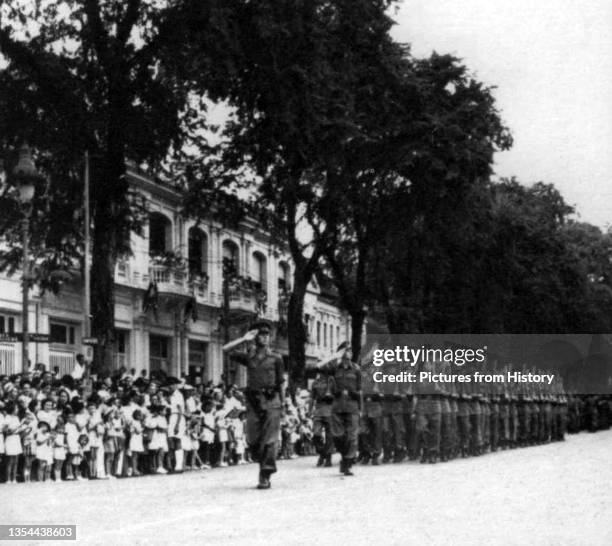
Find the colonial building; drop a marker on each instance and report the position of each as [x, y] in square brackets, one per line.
[173, 309]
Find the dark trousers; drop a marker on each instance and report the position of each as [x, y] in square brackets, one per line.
[429, 425]
[372, 436]
[393, 434]
[322, 435]
[345, 430]
[262, 433]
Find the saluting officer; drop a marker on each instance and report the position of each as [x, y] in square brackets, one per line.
[265, 395]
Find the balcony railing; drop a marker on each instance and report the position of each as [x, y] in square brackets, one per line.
[169, 280]
[8, 358]
[64, 360]
[241, 298]
[120, 360]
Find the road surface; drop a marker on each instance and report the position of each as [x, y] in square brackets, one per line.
[555, 494]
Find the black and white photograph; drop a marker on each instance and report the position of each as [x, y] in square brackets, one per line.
[306, 272]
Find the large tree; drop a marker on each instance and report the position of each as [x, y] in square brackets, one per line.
[96, 75]
[296, 76]
[435, 135]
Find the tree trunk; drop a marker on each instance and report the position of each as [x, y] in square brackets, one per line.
[358, 316]
[103, 288]
[296, 331]
[110, 230]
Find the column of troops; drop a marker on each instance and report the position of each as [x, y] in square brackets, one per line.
[442, 421]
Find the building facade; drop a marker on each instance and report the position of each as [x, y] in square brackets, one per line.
[174, 304]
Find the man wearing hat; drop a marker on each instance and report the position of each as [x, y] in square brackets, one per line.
[264, 397]
[345, 408]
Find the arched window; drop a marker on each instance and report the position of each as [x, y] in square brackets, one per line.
[258, 271]
[284, 277]
[230, 253]
[160, 234]
[198, 251]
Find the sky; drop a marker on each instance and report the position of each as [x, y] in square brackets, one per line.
[551, 61]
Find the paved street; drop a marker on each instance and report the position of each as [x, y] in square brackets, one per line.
[553, 494]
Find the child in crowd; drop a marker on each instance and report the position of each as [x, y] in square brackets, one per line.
[28, 442]
[159, 438]
[110, 444]
[72, 444]
[44, 450]
[221, 425]
[207, 434]
[192, 441]
[239, 439]
[59, 448]
[12, 440]
[95, 431]
[136, 440]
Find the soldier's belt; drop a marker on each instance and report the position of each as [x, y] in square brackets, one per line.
[266, 392]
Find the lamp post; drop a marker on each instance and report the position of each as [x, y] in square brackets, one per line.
[25, 173]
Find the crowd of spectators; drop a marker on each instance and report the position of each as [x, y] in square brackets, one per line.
[56, 428]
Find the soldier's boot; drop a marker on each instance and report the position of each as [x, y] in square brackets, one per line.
[328, 461]
[398, 456]
[365, 459]
[375, 460]
[342, 465]
[321, 461]
[264, 480]
[433, 457]
[347, 468]
[425, 456]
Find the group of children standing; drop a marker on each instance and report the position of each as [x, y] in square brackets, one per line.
[48, 432]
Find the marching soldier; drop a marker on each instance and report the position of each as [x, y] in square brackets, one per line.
[409, 404]
[265, 395]
[322, 398]
[345, 408]
[463, 419]
[446, 440]
[372, 417]
[475, 420]
[429, 416]
[393, 420]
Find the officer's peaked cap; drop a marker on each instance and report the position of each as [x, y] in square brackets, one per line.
[262, 326]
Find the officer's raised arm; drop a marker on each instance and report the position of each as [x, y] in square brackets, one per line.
[240, 357]
[326, 361]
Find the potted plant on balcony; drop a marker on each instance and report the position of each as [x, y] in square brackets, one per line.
[198, 279]
[167, 259]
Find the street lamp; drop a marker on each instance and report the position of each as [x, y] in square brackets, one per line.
[25, 174]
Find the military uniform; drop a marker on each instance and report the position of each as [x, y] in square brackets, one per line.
[322, 395]
[265, 376]
[345, 411]
[372, 420]
[429, 418]
[394, 431]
